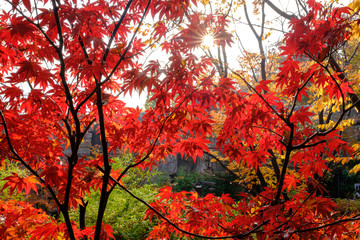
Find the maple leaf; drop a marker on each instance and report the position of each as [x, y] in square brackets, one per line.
[302, 115]
[19, 219]
[12, 92]
[27, 4]
[33, 72]
[165, 193]
[290, 182]
[15, 182]
[263, 86]
[53, 175]
[49, 230]
[226, 83]
[192, 147]
[160, 29]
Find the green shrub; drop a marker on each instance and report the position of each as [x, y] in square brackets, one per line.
[185, 180]
[124, 213]
[162, 179]
[40, 199]
[348, 205]
[217, 184]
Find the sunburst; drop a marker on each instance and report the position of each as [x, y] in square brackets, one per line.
[208, 41]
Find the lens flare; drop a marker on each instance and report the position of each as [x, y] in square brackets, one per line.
[208, 41]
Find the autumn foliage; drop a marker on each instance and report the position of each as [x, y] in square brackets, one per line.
[65, 62]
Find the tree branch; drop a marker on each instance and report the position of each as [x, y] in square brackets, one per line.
[278, 11]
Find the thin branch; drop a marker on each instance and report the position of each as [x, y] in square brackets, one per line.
[261, 96]
[289, 149]
[309, 145]
[108, 77]
[278, 11]
[116, 28]
[249, 22]
[89, 61]
[297, 94]
[260, 177]
[33, 23]
[302, 5]
[222, 164]
[268, 129]
[27, 166]
[344, 110]
[323, 133]
[355, 218]
[354, 53]
[225, 74]
[59, 50]
[257, 25]
[275, 164]
[354, 98]
[247, 58]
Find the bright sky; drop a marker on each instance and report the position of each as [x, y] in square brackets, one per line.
[136, 100]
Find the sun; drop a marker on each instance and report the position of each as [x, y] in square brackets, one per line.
[208, 41]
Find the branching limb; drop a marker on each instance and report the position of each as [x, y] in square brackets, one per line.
[297, 94]
[33, 23]
[122, 57]
[259, 38]
[261, 96]
[289, 149]
[278, 11]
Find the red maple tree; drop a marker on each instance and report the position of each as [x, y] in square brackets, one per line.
[63, 64]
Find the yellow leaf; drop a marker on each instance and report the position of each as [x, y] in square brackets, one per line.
[117, 49]
[355, 169]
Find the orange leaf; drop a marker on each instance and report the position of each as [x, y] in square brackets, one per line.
[15, 182]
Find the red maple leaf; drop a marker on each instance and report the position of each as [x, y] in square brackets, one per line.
[15, 182]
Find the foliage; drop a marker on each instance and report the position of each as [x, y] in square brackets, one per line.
[216, 183]
[63, 64]
[340, 182]
[123, 213]
[7, 170]
[19, 220]
[348, 205]
[185, 180]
